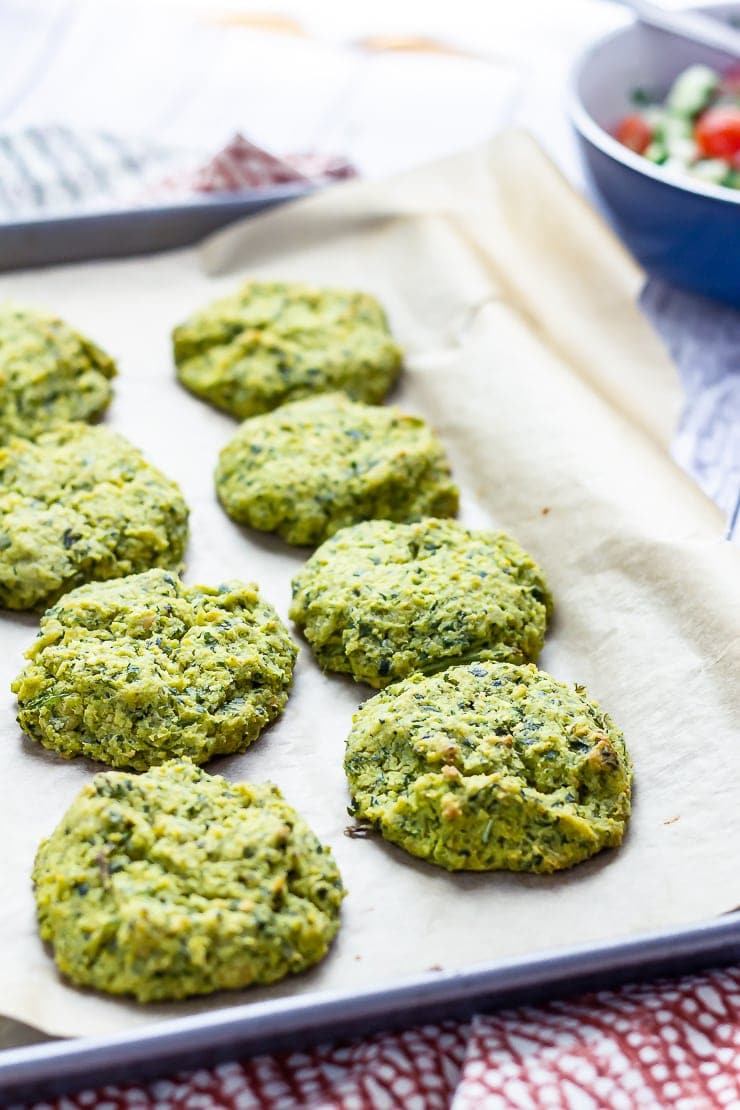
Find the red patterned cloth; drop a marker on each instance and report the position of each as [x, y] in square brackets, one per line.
[651, 1046]
[113, 171]
[648, 1047]
[242, 165]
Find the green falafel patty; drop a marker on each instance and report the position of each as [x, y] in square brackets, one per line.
[177, 883]
[382, 600]
[49, 373]
[140, 669]
[490, 767]
[316, 466]
[272, 342]
[82, 504]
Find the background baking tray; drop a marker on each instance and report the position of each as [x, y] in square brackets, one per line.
[70, 238]
[288, 1024]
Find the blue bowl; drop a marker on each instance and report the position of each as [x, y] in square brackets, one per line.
[679, 228]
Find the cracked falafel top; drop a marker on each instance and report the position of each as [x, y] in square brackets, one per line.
[82, 504]
[490, 767]
[49, 373]
[140, 669]
[382, 600]
[315, 466]
[273, 342]
[176, 883]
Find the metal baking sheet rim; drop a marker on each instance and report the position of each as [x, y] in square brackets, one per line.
[287, 1024]
[46, 240]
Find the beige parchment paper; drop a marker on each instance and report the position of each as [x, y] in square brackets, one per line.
[525, 349]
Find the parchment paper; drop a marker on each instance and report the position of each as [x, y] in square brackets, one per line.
[525, 349]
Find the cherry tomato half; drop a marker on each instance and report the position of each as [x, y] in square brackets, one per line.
[717, 132]
[635, 133]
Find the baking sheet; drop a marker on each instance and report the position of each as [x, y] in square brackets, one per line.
[70, 238]
[525, 349]
[290, 1024]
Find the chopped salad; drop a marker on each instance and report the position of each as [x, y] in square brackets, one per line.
[696, 129]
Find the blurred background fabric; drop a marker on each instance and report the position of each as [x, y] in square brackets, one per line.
[109, 89]
[117, 103]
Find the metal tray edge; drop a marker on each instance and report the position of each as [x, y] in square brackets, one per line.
[72, 237]
[289, 1024]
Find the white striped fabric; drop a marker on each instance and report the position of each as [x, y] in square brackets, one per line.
[54, 170]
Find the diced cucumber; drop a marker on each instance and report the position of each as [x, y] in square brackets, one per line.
[676, 134]
[682, 150]
[678, 167]
[715, 171]
[692, 90]
[669, 128]
[655, 152]
[653, 116]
